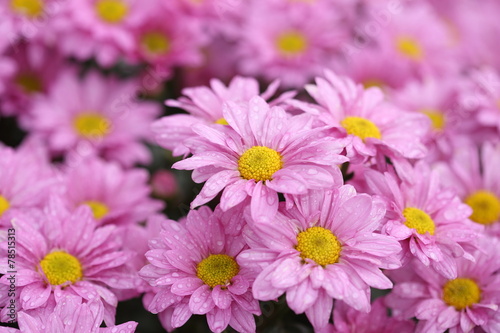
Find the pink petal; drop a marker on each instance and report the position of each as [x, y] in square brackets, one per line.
[186, 286]
[218, 319]
[181, 315]
[201, 301]
[320, 311]
[222, 298]
[264, 203]
[35, 295]
[301, 296]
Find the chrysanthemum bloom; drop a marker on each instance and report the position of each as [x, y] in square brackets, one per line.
[324, 248]
[430, 222]
[469, 301]
[204, 106]
[194, 265]
[262, 152]
[26, 179]
[115, 195]
[473, 174]
[61, 253]
[71, 315]
[348, 320]
[277, 42]
[95, 115]
[101, 28]
[364, 116]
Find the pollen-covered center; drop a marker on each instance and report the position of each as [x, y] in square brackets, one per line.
[485, 207]
[320, 245]
[409, 47]
[437, 118]
[291, 43]
[155, 43]
[217, 269]
[361, 127]
[259, 163]
[419, 220]
[60, 267]
[30, 8]
[29, 83]
[91, 125]
[221, 121]
[111, 11]
[98, 208]
[4, 205]
[461, 293]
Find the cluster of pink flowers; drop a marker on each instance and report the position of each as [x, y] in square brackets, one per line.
[359, 187]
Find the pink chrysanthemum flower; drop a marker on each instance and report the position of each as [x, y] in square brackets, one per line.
[364, 116]
[194, 265]
[473, 174]
[71, 315]
[324, 248]
[204, 106]
[260, 153]
[469, 302]
[115, 195]
[277, 42]
[96, 115]
[348, 320]
[60, 253]
[430, 222]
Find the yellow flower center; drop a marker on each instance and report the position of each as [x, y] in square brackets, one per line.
[320, 245]
[370, 83]
[419, 220]
[485, 207]
[155, 43]
[91, 125]
[60, 267]
[30, 83]
[259, 163]
[4, 205]
[291, 43]
[111, 11]
[30, 8]
[361, 127]
[410, 48]
[437, 118]
[221, 121]
[217, 269]
[98, 208]
[461, 293]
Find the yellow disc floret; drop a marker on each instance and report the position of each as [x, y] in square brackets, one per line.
[291, 43]
[221, 121]
[419, 220]
[29, 83]
[320, 245]
[217, 269]
[30, 8]
[361, 127]
[259, 163]
[91, 125]
[485, 207]
[4, 205]
[437, 118]
[461, 293]
[155, 43]
[111, 11]
[60, 267]
[98, 208]
[410, 48]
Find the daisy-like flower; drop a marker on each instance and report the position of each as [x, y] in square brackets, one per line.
[60, 253]
[204, 106]
[115, 195]
[94, 116]
[323, 248]
[462, 304]
[430, 222]
[262, 152]
[71, 315]
[364, 116]
[276, 41]
[348, 320]
[194, 267]
[472, 174]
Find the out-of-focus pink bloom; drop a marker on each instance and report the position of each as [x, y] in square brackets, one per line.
[323, 248]
[261, 152]
[164, 184]
[95, 115]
